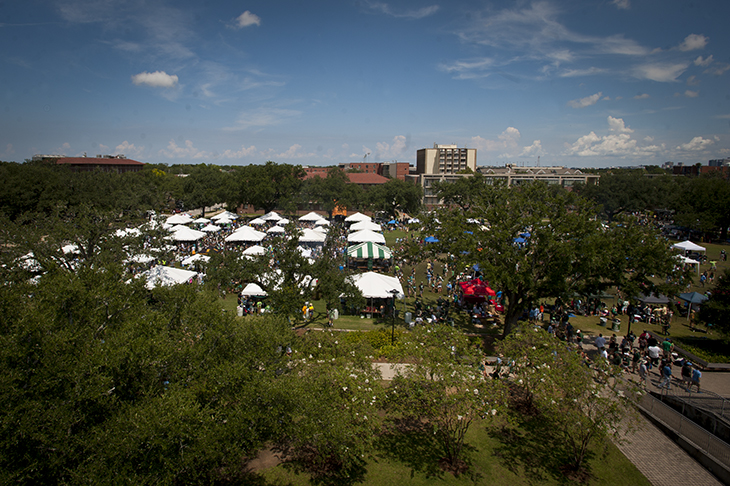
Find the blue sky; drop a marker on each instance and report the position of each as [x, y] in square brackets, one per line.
[578, 83]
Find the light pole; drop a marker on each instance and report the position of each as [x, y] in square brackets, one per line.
[393, 292]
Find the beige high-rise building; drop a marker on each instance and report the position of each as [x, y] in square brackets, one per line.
[445, 159]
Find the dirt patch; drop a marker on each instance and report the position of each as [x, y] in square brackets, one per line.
[266, 459]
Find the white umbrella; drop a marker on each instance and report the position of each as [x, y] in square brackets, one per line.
[365, 235]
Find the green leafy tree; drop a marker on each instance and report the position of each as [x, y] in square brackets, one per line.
[618, 193]
[204, 186]
[702, 202]
[268, 187]
[442, 389]
[396, 195]
[716, 310]
[576, 404]
[461, 192]
[332, 191]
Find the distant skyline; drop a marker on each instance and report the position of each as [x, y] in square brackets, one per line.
[577, 83]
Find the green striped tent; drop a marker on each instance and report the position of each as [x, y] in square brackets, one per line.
[369, 250]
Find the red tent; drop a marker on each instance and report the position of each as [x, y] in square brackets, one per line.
[476, 290]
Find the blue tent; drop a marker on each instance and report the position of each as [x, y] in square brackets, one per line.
[519, 240]
[431, 239]
[392, 221]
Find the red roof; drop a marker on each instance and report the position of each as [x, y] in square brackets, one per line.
[364, 178]
[96, 161]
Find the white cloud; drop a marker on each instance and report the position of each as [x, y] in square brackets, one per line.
[393, 150]
[592, 71]
[617, 144]
[703, 62]
[661, 72]
[693, 81]
[587, 101]
[409, 14]
[718, 69]
[239, 154]
[293, 153]
[129, 149]
[621, 4]
[642, 96]
[247, 19]
[693, 42]
[696, 144]
[507, 140]
[263, 117]
[532, 150]
[158, 79]
[469, 69]
[9, 150]
[187, 152]
[691, 94]
[617, 125]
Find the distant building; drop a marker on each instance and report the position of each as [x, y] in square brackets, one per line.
[426, 181]
[445, 159]
[106, 163]
[552, 175]
[366, 180]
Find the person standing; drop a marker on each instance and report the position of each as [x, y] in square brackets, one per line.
[696, 375]
[666, 376]
[643, 373]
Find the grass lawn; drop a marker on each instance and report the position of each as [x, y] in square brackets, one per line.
[495, 460]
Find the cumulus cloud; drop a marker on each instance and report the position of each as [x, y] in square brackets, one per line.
[718, 69]
[587, 101]
[693, 81]
[263, 117]
[641, 96]
[408, 14]
[661, 72]
[239, 154]
[696, 144]
[389, 151]
[247, 19]
[621, 4]
[532, 150]
[691, 94]
[174, 151]
[617, 144]
[704, 62]
[129, 149]
[158, 79]
[294, 152]
[693, 42]
[508, 140]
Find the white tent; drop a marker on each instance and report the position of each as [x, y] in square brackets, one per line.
[688, 246]
[276, 229]
[321, 222]
[194, 258]
[179, 219]
[165, 276]
[255, 250]
[224, 220]
[377, 286]
[271, 216]
[211, 228]
[246, 233]
[202, 221]
[282, 222]
[257, 222]
[365, 235]
[354, 218]
[366, 225]
[688, 261]
[225, 214]
[310, 217]
[121, 233]
[253, 290]
[183, 233]
[311, 236]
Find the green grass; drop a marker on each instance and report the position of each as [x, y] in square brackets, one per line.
[495, 460]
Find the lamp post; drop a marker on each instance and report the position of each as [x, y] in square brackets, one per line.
[393, 292]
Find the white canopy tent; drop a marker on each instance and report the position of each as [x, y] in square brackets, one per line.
[365, 235]
[271, 216]
[255, 250]
[276, 229]
[321, 222]
[194, 258]
[224, 220]
[354, 218]
[179, 219]
[688, 261]
[366, 225]
[310, 217]
[161, 275]
[183, 233]
[282, 222]
[311, 236]
[688, 246]
[202, 221]
[257, 222]
[253, 290]
[246, 233]
[377, 286]
[225, 214]
[211, 228]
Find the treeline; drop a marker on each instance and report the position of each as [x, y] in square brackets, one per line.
[38, 187]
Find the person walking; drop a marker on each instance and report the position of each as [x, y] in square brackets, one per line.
[696, 376]
[666, 376]
[643, 373]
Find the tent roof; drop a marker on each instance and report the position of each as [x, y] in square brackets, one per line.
[653, 299]
[276, 229]
[312, 216]
[202, 221]
[354, 218]
[311, 236]
[321, 222]
[255, 250]
[257, 221]
[688, 245]
[365, 235]
[253, 290]
[194, 258]
[271, 216]
[211, 228]
[693, 297]
[226, 215]
[179, 219]
[376, 285]
[183, 233]
[369, 249]
[246, 233]
[366, 225]
[161, 275]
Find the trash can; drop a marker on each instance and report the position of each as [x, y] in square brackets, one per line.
[409, 317]
[335, 314]
[239, 311]
[616, 325]
[602, 321]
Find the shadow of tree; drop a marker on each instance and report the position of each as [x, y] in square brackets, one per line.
[412, 443]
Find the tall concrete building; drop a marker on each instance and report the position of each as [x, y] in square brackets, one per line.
[445, 159]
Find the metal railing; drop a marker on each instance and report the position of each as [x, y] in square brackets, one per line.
[707, 400]
[686, 428]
